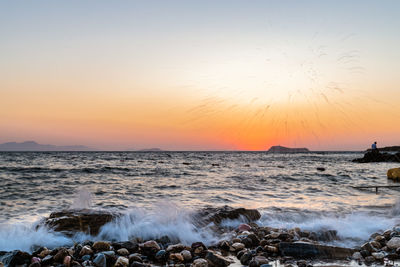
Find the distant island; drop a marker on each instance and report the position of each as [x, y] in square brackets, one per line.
[33, 146]
[282, 149]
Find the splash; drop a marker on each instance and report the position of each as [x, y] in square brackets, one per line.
[83, 199]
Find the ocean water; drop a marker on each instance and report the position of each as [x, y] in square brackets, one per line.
[159, 191]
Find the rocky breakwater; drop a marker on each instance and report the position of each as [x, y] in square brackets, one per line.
[378, 157]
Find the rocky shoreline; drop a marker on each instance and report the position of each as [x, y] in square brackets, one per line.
[250, 244]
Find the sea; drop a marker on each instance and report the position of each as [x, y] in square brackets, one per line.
[158, 192]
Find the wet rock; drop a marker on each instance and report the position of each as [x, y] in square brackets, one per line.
[200, 263]
[376, 245]
[271, 249]
[254, 239]
[244, 227]
[175, 248]
[121, 262]
[123, 252]
[321, 169]
[86, 258]
[48, 260]
[378, 157]
[261, 259]
[393, 243]
[357, 256]
[101, 246]
[378, 255]
[72, 221]
[254, 263]
[35, 259]
[176, 257]
[216, 260]
[61, 254]
[307, 250]
[161, 255]
[246, 258]
[187, 256]
[365, 253]
[151, 244]
[224, 245]
[33, 264]
[100, 260]
[44, 252]
[238, 246]
[138, 264]
[131, 246]
[267, 265]
[217, 215]
[199, 249]
[67, 261]
[369, 259]
[15, 257]
[369, 247]
[86, 250]
[137, 257]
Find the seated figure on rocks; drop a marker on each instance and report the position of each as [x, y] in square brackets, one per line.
[374, 148]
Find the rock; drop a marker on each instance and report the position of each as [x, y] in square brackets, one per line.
[67, 261]
[131, 246]
[266, 265]
[369, 247]
[33, 264]
[151, 244]
[48, 260]
[217, 215]
[121, 262]
[15, 257]
[244, 227]
[44, 253]
[101, 246]
[176, 257]
[199, 249]
[216, 260]
[365, 253]
[261, 259]
[187, 256]
[246, 258]
[238, 246]
[175, 248]
[86, 250]
[393, 174]
[136, 257]
[378, 255]
[200, 263]
[376, 245]
[86, 258]
[393, 243]
[72, 221]
[369, 259]
[271, 249]
[254, 239]
[100, 260]
[357, 256]
[254, 263]
[161, 255]
[138, 264]
[61, 254]
[378, 157]
[321, 169]
[123, 252]
[307, 250]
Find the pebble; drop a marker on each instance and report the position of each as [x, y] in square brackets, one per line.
[393, 243]
[217, 260]
[176, 257]
[200, 263]
[187, 256]
[61, 254]
[175, 248]
[86, 250]
[238, 246]
[44, 253]
[151, 244]
[100, 260]
[34, 264]
[378, 255]
[357, 256]
[101, 246]
[67, 261]
[123, 252]
[121, 262]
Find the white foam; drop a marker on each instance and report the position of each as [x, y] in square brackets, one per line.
[166, 219]
[23, 236]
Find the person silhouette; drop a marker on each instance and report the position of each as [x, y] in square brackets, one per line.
[374, 148]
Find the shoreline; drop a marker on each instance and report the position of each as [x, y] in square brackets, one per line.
[248, 244]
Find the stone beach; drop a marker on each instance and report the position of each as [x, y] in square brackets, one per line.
[249, 244]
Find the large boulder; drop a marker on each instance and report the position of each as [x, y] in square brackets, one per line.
[217, 215]
[301, 250]
[378, 157]
[72, 221]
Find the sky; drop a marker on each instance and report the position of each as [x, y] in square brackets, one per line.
[200, 75]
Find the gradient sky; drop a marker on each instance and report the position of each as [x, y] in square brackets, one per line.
[200, 75]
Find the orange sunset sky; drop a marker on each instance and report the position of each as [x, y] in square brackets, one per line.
[200, 75]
